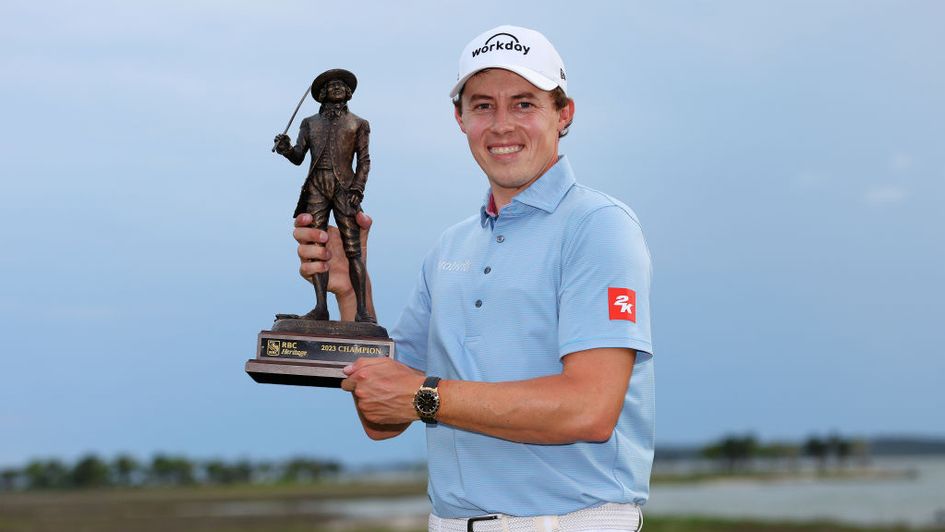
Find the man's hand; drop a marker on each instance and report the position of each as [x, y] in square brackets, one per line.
[322, 251]
[383, 390]
[283, 143]
[355, 197]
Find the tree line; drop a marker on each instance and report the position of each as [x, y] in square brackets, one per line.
[91, 471]
[740, 452]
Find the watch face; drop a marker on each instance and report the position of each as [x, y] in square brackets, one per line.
[427, 402]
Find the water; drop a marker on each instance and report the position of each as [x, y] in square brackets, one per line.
[917, 499]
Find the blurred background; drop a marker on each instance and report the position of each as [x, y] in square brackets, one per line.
[786, 159]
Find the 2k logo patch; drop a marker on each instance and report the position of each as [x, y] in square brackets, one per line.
[622, 303]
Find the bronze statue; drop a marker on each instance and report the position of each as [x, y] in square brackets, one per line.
[334, 137]
[312, 350]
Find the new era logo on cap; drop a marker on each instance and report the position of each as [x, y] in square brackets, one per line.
[622, 304]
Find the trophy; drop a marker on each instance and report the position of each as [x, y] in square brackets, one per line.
[311, 349]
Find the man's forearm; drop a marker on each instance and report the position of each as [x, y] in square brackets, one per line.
[581, 404]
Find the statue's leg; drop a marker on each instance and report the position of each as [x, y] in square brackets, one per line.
[357, 272]
[319, 208]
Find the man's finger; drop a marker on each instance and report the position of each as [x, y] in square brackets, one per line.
[308, 269]
[305, 235]
[364, 221]
[348, 385]
[362, 363]
[314, 252]
[304, 220]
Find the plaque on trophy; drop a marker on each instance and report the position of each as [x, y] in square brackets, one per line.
[312, 349]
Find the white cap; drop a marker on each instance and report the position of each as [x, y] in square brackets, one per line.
[521, 50]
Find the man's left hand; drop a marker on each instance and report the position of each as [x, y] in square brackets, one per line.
[383, 389]
[355, 197]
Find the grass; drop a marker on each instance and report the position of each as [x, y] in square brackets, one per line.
[233, 508]
[276, 508]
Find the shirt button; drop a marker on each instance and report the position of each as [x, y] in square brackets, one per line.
[478, 303]
[500, 239]
[487, 270]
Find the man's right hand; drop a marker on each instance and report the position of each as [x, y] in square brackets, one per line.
[322, 251]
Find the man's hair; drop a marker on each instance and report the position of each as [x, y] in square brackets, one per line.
[323, 93]
[558, 97]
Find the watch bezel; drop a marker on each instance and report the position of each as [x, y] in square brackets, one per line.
[427, 400]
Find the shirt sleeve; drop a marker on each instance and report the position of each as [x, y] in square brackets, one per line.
[297, 153]
[412, 330]
[604, 295]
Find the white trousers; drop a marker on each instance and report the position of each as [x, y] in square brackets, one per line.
[610, 517]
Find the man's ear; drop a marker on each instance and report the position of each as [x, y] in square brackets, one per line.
[459, 119]
[566, 115]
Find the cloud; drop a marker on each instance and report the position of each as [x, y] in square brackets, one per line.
[885, 194]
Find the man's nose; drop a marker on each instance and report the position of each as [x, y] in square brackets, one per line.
[502, 121]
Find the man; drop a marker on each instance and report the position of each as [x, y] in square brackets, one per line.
[518, 343]
[334, 137]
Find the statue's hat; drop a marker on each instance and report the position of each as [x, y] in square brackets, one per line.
[328, 75]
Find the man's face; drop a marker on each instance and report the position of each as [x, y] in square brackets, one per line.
[336, 91]
[512, 129]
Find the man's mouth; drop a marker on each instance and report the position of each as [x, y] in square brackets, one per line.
[505, 150]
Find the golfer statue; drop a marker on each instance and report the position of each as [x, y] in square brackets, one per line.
[335, 137]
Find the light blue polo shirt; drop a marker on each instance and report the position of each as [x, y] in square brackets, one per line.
[562, 268]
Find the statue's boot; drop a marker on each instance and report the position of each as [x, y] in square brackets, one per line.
[320, 312]
[358, 274]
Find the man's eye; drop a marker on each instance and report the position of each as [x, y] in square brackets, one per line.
[524, 105]
[481, 106]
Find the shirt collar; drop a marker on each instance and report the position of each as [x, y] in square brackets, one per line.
[545, 193]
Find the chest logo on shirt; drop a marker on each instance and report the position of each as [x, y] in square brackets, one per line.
[454, 265]
[622, 303]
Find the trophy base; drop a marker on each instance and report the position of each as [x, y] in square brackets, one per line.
[302, 352]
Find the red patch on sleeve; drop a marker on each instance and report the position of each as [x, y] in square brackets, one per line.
[622, 303]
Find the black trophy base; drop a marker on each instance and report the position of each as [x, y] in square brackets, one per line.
[302, 352]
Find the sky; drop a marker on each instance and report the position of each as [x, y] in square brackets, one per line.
[786, 160]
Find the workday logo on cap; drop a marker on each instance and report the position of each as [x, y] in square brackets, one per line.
[496, 43]
[526, 52]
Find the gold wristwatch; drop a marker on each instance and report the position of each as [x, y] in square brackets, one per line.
[427, 400]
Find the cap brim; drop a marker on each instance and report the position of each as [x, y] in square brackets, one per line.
[536, 79]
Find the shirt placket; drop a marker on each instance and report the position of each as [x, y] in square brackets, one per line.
[482, 297]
